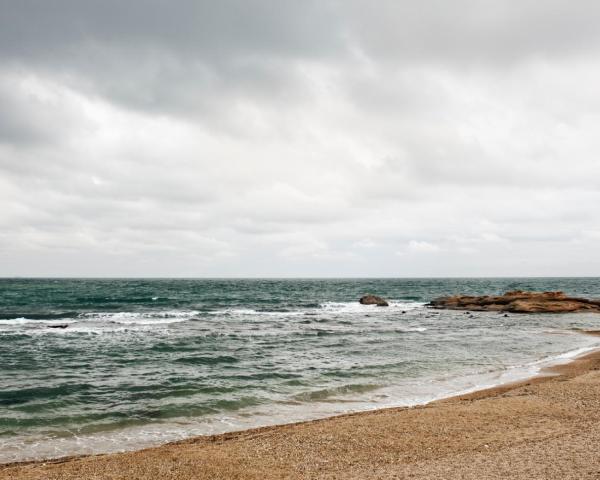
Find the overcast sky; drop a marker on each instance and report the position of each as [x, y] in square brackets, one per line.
[299, 138]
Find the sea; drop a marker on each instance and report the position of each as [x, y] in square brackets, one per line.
[107, 365]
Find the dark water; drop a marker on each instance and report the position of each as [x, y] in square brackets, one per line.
[105, 365]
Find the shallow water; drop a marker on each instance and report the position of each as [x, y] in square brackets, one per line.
[140, 362]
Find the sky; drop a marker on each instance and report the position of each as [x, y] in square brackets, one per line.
[285, 138]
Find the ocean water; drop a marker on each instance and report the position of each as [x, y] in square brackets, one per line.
[89, 366]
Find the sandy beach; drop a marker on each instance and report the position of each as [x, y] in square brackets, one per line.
[543, 428]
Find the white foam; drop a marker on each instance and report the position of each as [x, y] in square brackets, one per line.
[96, 322]
[149, 321]
[356, 307]
[416, 329]
[564, 357]
[252, 312]
[141, 318]
[324, 308]
[115, 316]
[31, 321]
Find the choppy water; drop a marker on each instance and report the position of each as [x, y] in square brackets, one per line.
[141, 362]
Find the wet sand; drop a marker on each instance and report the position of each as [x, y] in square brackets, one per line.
[547, 427]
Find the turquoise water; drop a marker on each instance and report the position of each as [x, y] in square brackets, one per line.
[106, 365]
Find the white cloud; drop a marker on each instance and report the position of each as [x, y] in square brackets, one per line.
[422, 246]
[312, 140]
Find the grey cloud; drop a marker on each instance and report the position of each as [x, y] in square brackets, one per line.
[15, 125]
[473, 30]
[176, 58]
[183, 57]
[212, 29]
[24, 120]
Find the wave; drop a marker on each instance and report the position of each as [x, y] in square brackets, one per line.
[563, 357]
[328, 394]
[26, 321]
[37, 316]
[74, 329]
[95, 322]
[142, 318]
[159, 317]
[207, 360]
[326, 307]
[355, 307]
[253, 312]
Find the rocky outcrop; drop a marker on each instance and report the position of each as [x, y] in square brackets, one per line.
[373, 300]
[518, 301]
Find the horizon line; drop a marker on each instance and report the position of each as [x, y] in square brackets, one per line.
[284, 277]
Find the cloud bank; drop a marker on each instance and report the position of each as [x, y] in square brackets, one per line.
[291, 138]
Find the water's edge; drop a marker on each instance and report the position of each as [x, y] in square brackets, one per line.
[540, 369]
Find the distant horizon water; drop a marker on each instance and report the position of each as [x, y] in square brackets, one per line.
[91, 365]
[292, 277]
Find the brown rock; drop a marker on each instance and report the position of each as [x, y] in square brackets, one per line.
[518, 301]
[373, 300]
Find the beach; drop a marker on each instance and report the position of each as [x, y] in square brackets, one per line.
[257, 239]
[290, 379]
[545, 427]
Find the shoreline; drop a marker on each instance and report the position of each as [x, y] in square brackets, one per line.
[580, 365]
[541, 368]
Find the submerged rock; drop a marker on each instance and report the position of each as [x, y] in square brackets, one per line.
[373, 300]
[518, 301]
